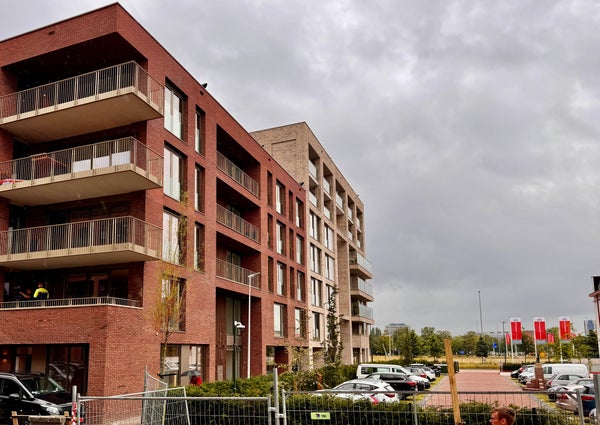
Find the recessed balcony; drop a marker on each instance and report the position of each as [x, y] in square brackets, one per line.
[361, 312]
[103, 169]
[108, 98]
[360, 288]
[237, 174]
[85, 243]
[237, 223]
[360, 266]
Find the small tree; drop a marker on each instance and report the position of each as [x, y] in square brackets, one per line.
[332, 345]
[482, 349]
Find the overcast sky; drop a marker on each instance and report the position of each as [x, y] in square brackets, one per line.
[470, 129]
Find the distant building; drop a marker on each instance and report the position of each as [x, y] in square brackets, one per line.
[393, 327]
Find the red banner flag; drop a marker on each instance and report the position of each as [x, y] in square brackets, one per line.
[550, 338]
[507, 338]
[515, 330]
[564, 329]
[539, 330]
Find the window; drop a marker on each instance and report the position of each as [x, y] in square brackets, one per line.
[300, 287]
[331, 294]
[269, 189]
[329, 238]
[300, 323]
[314, 226]
[173, 238]
[199, 247]
[280, 238]
[279, 320]
[315, 259]
[173, 111]
[280, 198]
[316, 330]
[329, 267]
[198, 136]
[270, 231]
[299, 213]
[316, 292]
[280, 279]
[172, 304]
[199, 189]
[299, 249]
[270, 275]
[173, 174]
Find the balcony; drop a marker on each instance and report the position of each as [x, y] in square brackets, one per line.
[361, 311]
[361, 288]
[360, 265]
[85, 243]
[102, 169]
[237, 274]
[237, 223]
[237, 174]
[108, 98]
[69, 302]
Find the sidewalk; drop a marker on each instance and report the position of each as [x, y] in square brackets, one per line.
[479, 380]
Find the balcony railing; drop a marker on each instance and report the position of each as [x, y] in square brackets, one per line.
[90, 159]
[40, 99]
[235, 273]
[312, 169]
[109, 235]
[362, 310]
[237, 223]
[237, 174]
[339, 201]
[69, 302]
[362, 285]
[357, 258]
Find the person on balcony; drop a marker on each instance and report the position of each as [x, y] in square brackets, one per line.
[41, 293]
[24, 296]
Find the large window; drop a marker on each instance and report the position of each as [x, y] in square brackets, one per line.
[280, 279]
[199, 247]
[279, 320]
[173, 238]
[329, 238]
[300, 287]
[316, 292]
[299, 249]
[280, 198]
[173, 111]
[199, 189]
[315, 259]
[329, 267]
[173, 173]
[280, 238]
[300, 323]
[172, 309]
[199, 136]
[314, 225]
[316, 328]
[299, 213]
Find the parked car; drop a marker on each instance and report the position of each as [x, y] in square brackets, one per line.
[375, 391]
[515, 373]
[31, 393]
[560, 380]
[421, 372]
[527, 375]
[593, 416]
[567, 399]
[398, 381]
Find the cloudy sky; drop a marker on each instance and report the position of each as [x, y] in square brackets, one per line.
[470, 130]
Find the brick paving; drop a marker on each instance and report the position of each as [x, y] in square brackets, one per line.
[485, 386]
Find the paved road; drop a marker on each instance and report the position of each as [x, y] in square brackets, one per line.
[486, 386]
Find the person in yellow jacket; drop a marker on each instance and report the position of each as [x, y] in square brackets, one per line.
[41, 293]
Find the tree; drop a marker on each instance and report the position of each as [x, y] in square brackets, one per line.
[482, 348]
[527, 345]
[408, 343]
[376, 341]
[332, 344]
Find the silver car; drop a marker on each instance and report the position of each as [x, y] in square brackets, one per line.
[373, 390]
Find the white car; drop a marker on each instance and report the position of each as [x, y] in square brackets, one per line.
[374, 390]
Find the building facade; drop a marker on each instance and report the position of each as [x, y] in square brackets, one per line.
[150, 215]
[336, 241]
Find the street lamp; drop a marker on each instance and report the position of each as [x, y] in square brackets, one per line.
[237, 326]
[250, 277]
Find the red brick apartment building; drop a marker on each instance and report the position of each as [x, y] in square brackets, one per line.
[124, 180]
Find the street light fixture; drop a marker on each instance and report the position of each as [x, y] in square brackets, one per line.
[250, 277]
[237, 326]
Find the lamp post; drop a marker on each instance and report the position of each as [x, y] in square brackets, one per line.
[505, 344]
[237, 326]
[250, 277]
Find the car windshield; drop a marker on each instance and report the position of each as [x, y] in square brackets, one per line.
[39, 385]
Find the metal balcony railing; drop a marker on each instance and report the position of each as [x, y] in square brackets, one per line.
[237, 223]
[97, 85]
[111, 153]
[362, 310]
[70, 302]
[237, 174]
[362, 285]
[235, 273]
[81, 237]
[357, 258]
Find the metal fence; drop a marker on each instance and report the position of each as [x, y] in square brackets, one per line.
[173, 407]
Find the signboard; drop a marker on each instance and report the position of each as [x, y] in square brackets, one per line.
[320, 416]
[539, 330]
[516, 332]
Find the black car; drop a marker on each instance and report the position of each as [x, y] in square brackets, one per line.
[31, 393]
[398, 381]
